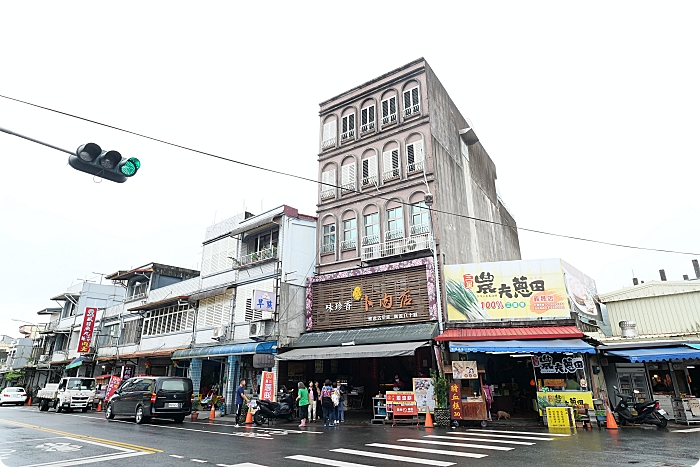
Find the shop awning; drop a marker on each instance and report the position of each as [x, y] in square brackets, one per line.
[524, 346]
[361, 336]
[694, 346]
[657, 354]
[529, 332]
[225, 350]
[77, 362]
[395, 349]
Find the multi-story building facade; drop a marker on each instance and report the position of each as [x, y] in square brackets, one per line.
[404, 185]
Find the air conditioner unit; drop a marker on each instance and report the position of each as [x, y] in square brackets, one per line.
[264, 316]
[257, 329]
[220, 332]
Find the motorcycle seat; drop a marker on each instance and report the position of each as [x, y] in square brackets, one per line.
[642, 405]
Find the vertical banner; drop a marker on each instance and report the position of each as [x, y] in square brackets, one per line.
[127, 372]
[113, 385]
[86, 333]
[455, 400]
[425, 394]
[267, 386]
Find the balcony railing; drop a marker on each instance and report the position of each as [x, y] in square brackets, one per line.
[135, 296]
[420, 229]
[327, 193]
[328, 143]
[394, 234]
[256, 257]
[372, 180]
[415, 167]
[367, 127]
[399, 246]
[348, 135]
[411, 111]
[348, 244]
[390, 174]
[348, 188]
[327, 248]
[370, 239]
[389, 119]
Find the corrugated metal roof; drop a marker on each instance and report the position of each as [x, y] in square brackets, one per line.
[152, 305]
[384, 334]
[540, 332]
[651, 289]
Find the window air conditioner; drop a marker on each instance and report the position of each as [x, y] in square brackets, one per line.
[220, 332]
[44, 358]
[257, 329]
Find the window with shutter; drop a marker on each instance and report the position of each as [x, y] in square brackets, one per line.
[414, 157]
[389, 111]
[328, 184]
[390, 160]
[329, 134]
[411, 103]
[348, 177]
[369, 171]
[348, 128]
[367, 119]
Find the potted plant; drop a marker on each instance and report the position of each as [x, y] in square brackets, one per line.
[440, 389]
[196, 407]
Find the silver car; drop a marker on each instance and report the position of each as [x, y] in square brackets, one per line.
[13, 395]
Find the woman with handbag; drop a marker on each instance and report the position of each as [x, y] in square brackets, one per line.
[313, 397]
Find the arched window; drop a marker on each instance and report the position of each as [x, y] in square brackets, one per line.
[420, 220]
[348, 176]
[328, 235]
[415, 154]
[390, 162]
[328, 182]
[411, 100]
[394, 220]
[330, 132]
[349, 241]
[389, 115]
[367, 117]
[370, 224]
[347, 126]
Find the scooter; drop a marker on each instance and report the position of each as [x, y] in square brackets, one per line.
[647, 412]
[268, 410]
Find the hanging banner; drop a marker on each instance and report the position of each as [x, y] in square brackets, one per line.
[112, 386]
[86, 333]
[267, 386]
[455, 401]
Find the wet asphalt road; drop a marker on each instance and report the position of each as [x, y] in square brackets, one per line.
[32, 438]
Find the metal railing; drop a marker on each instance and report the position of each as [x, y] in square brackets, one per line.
[389, 119]
[420, 228]
[370, 239]
[328, 193]
[348, 188]
[348, 244]
[350, 134]
[398, 246]
[390, 174]
[412, 110]
[415, 167]
[367, 127]
[372, 180]
[393, 234]
[328, 143]
[256, 257]
[328, 248]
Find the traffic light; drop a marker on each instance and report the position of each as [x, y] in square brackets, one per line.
[109, 165]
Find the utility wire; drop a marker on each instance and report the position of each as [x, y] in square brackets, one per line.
[331, 185]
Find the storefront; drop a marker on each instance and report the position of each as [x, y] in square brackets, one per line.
[366, 327]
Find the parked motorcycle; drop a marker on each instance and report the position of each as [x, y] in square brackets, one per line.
[647, 412]
[268, 410]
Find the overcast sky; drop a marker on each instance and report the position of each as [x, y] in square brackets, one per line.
[588, 109]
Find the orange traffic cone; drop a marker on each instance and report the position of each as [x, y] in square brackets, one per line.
[212, 413]
[29, 401]
[610, 422]
[249, 417]
[99, 406]
[428, 419]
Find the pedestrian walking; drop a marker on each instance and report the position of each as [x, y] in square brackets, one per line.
[313, 397]
[335, 397]
[302, 403]
[319, 409]
[341, 401]
[327, 403]
[240, 397]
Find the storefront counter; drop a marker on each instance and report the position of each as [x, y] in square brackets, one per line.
[665, 402]
[686, 410]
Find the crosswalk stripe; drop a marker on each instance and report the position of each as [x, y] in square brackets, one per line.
[506, 436]
[519, 432]
[428, 450]
[686, 430]
[487, 440]
[413, 460]
[461, 445]
[322, 461]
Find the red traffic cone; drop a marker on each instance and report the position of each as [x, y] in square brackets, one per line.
[249, 417]
[212, 413]
[610, 422]
[428, 419]
[99, 406]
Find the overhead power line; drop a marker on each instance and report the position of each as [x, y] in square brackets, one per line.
[370, 195]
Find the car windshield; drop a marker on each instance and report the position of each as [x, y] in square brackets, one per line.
[81, 383]
[175, 385]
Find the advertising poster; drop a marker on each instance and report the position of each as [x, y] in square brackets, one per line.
[424, 390]
[112, 386]
[86, 332]
[464, 370]
[267, 386]
[559, 398]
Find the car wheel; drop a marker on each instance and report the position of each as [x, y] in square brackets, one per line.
[84, 409]
[19, 403]
[179, 419]
[109, 412]
[140, 417]
[59, 408]
[44, 405]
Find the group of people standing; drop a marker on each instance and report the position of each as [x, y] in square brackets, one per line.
[330, 397]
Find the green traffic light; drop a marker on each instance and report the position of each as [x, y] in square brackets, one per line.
[130, 167]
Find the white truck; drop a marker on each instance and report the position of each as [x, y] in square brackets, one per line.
[68, 394]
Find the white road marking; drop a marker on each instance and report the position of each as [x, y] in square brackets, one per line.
[686, 430]
[89, 460]
[427, 450]
[33, 439]
[518, 432]
[322, 461]
[243, 464]
[505, 436]
[199, 460]
[379, 455]
[461, 445]
[176, 456]
[487, 440]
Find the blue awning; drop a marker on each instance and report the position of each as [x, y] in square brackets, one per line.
[226, 350]
[694, 346]
[657, 354]
[524, 346]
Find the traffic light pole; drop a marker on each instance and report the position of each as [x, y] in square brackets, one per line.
[5, 130]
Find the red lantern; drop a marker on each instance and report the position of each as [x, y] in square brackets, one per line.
[532, 383]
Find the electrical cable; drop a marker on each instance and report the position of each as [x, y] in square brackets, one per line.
[299, 177]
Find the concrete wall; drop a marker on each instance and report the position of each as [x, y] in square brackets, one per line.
[292, 315]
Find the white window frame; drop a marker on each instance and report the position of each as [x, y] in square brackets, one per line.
[348, 128]
[349, 234]
[394, 218]
[389, 118]
[169, 319]
[391, 163]
[415, 157]
[329, 134]
[368, 118]
[411, 102]
[420, 218]
[372, 237]
[328, 184]
[328, 238]
[348, 178]
[369, 171]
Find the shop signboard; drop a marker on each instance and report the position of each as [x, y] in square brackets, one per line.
[404, 410]
[127, 372]
[464, 370]
[89, 318]
[263, 360]
[400, 397]
[112, 386]
[528, 289]
[267, 386]
[424, 390]
[548, 365]
[564, 398]
[263, 301]
[559, 417]
[455, 401]
[396, 293]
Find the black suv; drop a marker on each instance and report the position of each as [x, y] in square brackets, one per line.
[144, 397]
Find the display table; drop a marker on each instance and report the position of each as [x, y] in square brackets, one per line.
[686, 410]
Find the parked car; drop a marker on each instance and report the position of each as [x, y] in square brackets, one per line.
[145, 397]
[13, 395]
